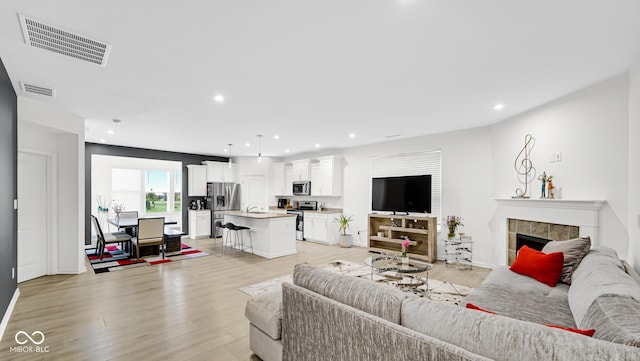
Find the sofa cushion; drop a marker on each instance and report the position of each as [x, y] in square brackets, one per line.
[615, 318]
[502, 338]
[378, 300]
[510, 294]
[589, 332]
[543, 267]
[600, 273]
[264, 310]
[573, 250]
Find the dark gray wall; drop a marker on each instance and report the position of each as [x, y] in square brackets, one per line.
[103, 149]
[8, 189]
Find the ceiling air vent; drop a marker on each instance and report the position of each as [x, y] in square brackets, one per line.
[47, 37]
[37, 89]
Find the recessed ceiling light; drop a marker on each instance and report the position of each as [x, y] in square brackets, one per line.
[218, 98]
[226, 150]
[110, 132]
[498, 106]
[286, 150]
[352, 135]
[276, 137]
[247, 144]
[317, 145]
[102, 141]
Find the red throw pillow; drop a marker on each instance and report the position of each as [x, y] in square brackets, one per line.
[474, 307]
[543, 267]
[589, 332]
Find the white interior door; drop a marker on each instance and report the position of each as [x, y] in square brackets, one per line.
[32, 215]
[253, 192]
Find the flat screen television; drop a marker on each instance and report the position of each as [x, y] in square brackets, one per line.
[402, 194]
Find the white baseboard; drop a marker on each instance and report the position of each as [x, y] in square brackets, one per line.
[7, 315]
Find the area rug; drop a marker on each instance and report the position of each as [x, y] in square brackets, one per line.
[115, 259]
[435, 290]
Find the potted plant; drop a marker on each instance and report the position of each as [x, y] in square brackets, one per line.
[345, 240]
[452, 223]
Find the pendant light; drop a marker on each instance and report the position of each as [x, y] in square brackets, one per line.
[230, 154]
[259, 148]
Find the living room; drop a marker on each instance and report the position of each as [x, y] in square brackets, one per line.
[595, 128]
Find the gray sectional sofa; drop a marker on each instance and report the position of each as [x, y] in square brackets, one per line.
[328, 316]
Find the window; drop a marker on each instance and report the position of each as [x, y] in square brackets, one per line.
[155, 192]
[417, 163]
[156, 189]
[125, 188]
[177, 192]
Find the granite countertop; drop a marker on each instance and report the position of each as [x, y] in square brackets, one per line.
[258, 215]
[324, 211]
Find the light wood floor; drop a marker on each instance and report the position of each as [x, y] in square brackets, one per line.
[185, 310]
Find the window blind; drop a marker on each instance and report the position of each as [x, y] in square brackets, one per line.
[415, 163]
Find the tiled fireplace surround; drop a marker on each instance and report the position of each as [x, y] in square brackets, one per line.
[554, 219]
[555, 232]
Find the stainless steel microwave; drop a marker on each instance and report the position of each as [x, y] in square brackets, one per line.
[301, 188]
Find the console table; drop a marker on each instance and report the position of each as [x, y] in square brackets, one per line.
[387, 232]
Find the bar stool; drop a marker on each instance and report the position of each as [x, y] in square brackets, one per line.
[216, 226]
[239, 238]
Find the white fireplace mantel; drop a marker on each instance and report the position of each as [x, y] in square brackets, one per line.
[581, 213]
[587, 205]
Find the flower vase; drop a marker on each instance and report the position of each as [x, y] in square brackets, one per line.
[405, 260]
[117, 217]
[452, 233]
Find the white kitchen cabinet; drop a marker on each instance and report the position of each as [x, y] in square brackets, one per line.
[321, 227]
[220, 172]
[301, 170]
[308, 226]
[288, 180]
[326, 176]
[199, 224]
[197, 178]
[278, 179]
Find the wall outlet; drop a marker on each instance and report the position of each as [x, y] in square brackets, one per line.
[559, 157]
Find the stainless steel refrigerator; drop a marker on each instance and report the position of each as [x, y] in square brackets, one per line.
[221, 197]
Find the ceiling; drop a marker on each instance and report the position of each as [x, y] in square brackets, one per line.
[313, 72]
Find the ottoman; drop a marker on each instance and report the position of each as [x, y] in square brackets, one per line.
[264, 312]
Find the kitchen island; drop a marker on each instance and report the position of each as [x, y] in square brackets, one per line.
[274, 235]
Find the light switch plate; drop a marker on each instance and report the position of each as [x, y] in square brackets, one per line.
[15, 204]
[559, 157]
[552, 158]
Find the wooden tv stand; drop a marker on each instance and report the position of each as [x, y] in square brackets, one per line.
[422, 232]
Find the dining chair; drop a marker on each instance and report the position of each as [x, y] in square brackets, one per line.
[150, 233]
[129, 214]
[105, 238]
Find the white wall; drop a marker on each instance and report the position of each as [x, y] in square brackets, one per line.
[44, 128]
[634, 167]
[466, 182]
[590, 129]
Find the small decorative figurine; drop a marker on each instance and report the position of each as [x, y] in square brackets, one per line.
[550, 186]
[543, 178]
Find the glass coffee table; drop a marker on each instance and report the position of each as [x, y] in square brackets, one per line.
[404, 275]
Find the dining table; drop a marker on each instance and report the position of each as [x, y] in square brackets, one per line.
[172, 236]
